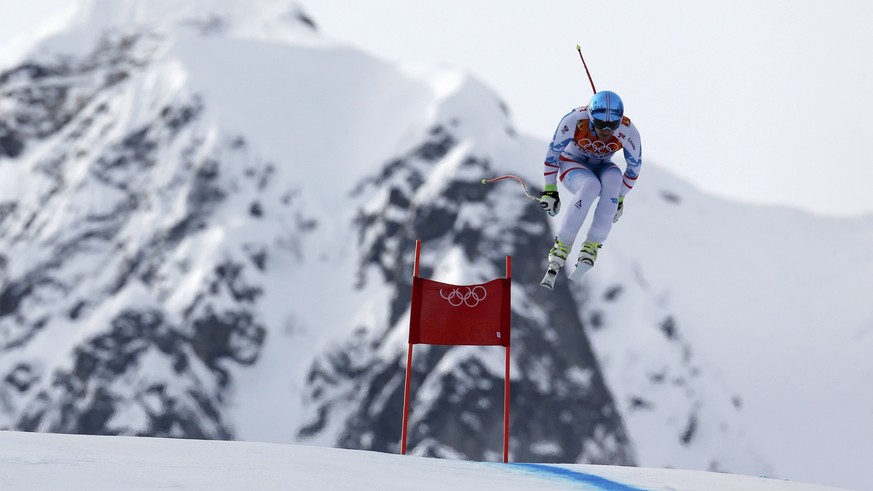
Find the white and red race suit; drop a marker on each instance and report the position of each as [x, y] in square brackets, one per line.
[583, 163]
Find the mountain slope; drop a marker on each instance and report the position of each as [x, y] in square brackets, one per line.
[207, 228]
[180, 185]
[771, 300]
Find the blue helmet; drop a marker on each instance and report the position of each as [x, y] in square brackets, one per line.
[605, 109]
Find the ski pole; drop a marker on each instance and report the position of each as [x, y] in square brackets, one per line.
[510, 176]
[579, 49]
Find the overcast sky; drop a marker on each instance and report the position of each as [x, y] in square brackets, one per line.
[758, 101]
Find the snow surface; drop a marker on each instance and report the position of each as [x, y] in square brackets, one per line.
[47, 462]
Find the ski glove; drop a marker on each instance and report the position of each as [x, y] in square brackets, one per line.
[550, 201]
[620, 209]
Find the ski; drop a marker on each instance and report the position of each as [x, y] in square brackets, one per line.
[551, 276]
[582, 267]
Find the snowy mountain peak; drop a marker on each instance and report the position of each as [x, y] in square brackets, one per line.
[205, 205]
[256, 18]
[76, 30]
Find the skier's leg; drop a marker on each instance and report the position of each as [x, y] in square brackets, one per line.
[585, 187]
[601, 223]
[604, 212]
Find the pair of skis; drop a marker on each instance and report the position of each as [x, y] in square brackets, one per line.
[552, 272]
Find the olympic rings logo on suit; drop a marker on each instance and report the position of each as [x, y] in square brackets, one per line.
[471, 298]
[597, 147]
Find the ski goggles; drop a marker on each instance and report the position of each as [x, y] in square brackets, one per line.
[606, 125]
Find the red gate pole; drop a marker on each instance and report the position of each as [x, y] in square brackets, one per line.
[506, 382]
[409, 364]
[406, 399]
[506, 411]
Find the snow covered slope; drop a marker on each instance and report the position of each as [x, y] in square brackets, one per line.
[207, 219]
[196, 216]
[53, 462]
[771, 301]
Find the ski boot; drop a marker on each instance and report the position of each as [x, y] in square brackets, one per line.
[557, 258]
[587, 256]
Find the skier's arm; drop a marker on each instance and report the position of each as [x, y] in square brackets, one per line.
[633, 156]
[563, 136]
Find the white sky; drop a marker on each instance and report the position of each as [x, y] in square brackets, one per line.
[763, 102]
[735, 96]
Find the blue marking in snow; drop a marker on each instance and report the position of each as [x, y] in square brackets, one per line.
[590, 479]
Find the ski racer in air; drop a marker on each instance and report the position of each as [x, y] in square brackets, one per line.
[580, 156]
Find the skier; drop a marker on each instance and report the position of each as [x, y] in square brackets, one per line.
[580, 156]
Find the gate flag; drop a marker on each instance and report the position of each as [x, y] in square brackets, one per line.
[445, 314]
[477, 315]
